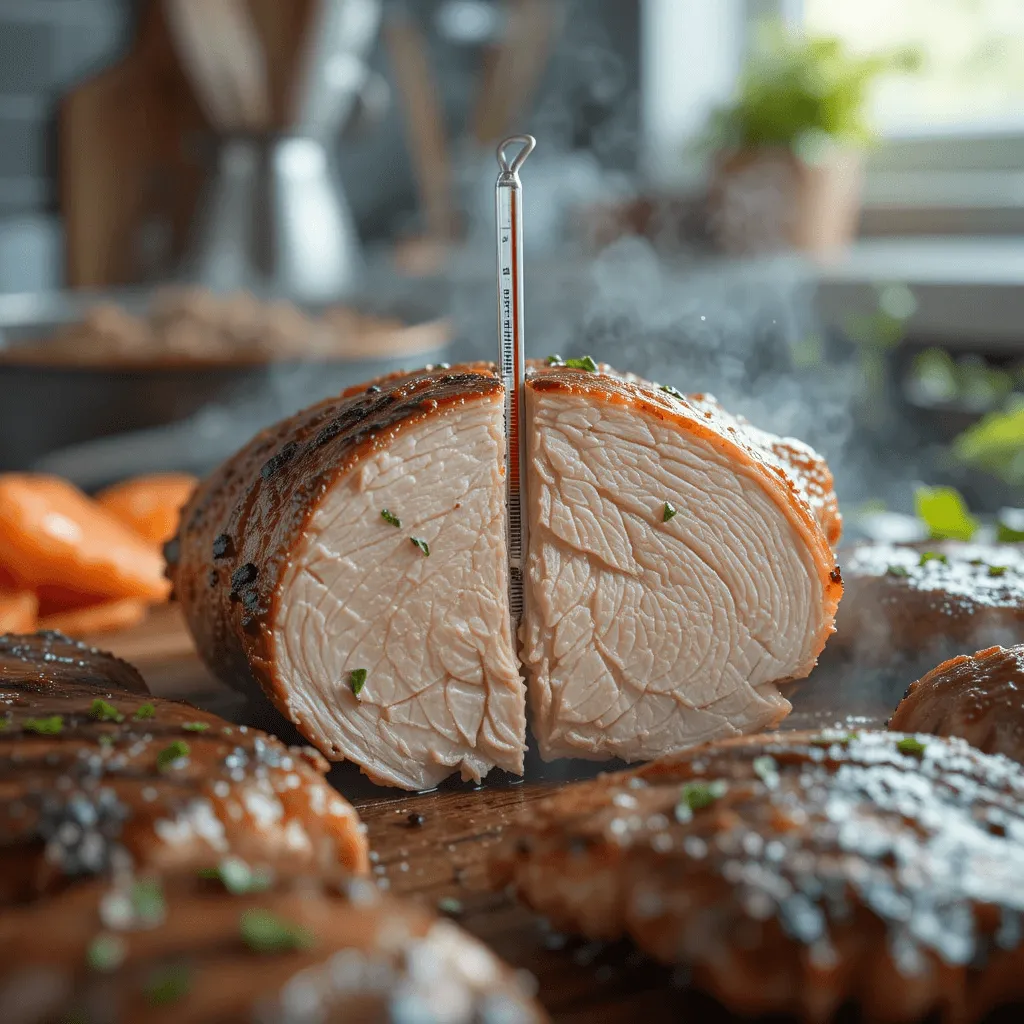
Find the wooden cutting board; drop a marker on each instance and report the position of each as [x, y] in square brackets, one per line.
[445, 858]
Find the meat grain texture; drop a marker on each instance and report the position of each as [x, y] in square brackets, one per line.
[288, 950]
[798, 872]
[680, 567]
[978, 696]
[98, 777]
[353, 561]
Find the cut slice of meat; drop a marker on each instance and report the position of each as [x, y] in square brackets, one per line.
[916, 604]
[979, 697]
[797, 872]
[174, 949]
[353, 560]
[680, 567]
[95, 775]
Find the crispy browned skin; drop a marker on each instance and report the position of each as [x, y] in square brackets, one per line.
[897, 607]
[190, 957]
[825, 870]
[82, 794]
[979, 697]
[239, 529]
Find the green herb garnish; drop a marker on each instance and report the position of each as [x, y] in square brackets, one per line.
[668, 512]
[5, 723]
[674, 392]
[105, 953]
[909, 745]
[357, 680]
[555, 360]
[238, 878]
[390, 517]
[766, 770]
[171, 754]
[265, 932]
[932, 556]
[1010, 526]
[195, 726]
[146, 710]
[896, 570]
[450, 906]
[52, 725]
[997, 570]
[828, 741]
[944, 512]
[584, 363]
[106, 740]
[696, 796]
[104, 712]
[148, 901]
[169, 985]
[422, 545]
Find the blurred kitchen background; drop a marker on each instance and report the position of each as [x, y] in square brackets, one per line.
[213, 212]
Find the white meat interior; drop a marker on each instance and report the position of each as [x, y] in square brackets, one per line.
[641, 636]
[442, 690]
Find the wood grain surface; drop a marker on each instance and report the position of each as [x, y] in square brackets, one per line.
[443, 857]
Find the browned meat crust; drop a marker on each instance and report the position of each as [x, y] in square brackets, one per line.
[94, 777]
[183, 948]
[795, 872]
[239, 529]
[979, 697]
[903, 602]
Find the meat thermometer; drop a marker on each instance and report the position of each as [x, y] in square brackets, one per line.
[508, 206]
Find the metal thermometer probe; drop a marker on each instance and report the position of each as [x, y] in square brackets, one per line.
[508, 198]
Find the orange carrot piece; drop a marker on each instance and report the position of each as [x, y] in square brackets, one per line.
[18, 609]
[51, 534]
[96, 618]
[150, 505]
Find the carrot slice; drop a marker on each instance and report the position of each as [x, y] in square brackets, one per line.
[150, 505]
[96, 618]
[52, 534]
[18, 610]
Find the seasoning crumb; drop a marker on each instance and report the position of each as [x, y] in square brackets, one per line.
[450, 906]
[674, 392]
[415, 820]
[222, 546]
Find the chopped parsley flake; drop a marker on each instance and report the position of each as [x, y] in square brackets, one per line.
[5, 723]
[143, 711]
[997, 570]
[105, 953]
[172, 754]
[945, 513]
[766, 770]
[932, 556]
[696, 796]
[668, 512]
[896, 570]
[106, 740]
[104, 712]
[53, 725]
[238, 878]
[555, 360]
[422, 545]
[196, 726]
[674, 392]
[169, 985]
[357, 680]
[584, 363]
[148, 901]
[828, 741]
[450, 906]
[265, 932]
[390, 517]
[909, 745]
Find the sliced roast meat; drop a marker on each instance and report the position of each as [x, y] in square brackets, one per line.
[797, 872]
[47, 661]
[352, 560]
[680, 567]
[912, 605]
[182, 948]
[95, 777]
[979, 697]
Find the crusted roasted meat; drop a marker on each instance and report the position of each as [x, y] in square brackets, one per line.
[352, 560]
[798, 872]
[246, 947]
[96, 776]
[978, 696]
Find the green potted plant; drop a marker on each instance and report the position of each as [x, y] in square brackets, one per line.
[788, 150]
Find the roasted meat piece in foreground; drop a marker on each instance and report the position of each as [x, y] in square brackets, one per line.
[242, 946]
[352, 559]
[797, 872]
[979, 697]
[917, 604]
[96, 776]
[680, 567]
